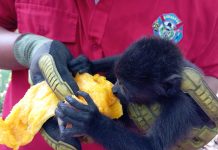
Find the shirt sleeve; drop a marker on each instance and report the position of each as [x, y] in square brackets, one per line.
[8, 18]
[208, 60]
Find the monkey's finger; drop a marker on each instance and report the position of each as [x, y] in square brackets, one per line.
[74, 63]
[77, 68]
[71, 112]
[80, 64]
[72, 101]
[67, 120]
[86, 69]
[59, 113]
[86, 97]
[79, 60]
[71, 132]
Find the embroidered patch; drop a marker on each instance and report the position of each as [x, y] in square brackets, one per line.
[168, 26]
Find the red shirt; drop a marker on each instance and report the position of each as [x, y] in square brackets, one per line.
[109, 27]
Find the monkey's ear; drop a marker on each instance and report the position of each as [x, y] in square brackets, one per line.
[172, 84]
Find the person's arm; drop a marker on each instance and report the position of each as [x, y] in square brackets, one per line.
[46, 59]
[7, 59]
[212, 83]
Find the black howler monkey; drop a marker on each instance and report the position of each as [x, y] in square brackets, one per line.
[148, 72]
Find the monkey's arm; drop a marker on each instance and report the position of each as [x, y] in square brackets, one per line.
[105, 64]
[83, 64]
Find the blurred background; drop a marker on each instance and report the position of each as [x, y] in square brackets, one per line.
[5, 76]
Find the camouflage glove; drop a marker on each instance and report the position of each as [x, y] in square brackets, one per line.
[48, 60]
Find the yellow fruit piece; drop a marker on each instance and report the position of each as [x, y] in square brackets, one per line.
[39, 104]
[100, 90]
[28, 115]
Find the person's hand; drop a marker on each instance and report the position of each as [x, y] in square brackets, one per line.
[81, 64]
[47, 60]
[51, 133]
[85, 119]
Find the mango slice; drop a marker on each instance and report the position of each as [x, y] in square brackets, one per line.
[100, 90]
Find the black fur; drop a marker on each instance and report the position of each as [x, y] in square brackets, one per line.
[149, 71]
[149, 60]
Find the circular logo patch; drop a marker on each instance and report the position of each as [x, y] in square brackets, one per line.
[168, 26]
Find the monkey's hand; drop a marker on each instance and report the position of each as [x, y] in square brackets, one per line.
[85, 119]
[81, 64]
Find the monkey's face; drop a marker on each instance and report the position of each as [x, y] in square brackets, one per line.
[118, 90]
[132, 93]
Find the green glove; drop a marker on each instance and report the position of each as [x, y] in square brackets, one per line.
[30, 51]
[48, 60]
[51, 134]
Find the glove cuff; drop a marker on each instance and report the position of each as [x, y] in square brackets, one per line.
[56, 145]
[26, 45]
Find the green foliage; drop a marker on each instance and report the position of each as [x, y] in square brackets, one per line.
[5, 77]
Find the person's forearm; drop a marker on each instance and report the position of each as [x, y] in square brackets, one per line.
[212, 83]
[7, 59]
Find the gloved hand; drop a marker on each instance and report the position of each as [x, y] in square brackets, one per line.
[48, 60]
[51, 133]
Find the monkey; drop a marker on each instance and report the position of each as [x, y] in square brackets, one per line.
[149, 71]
